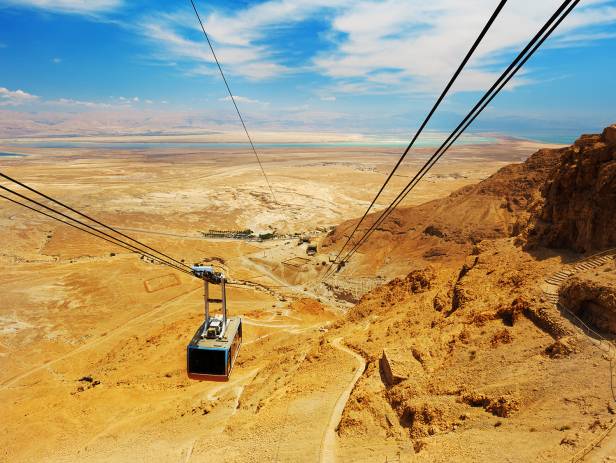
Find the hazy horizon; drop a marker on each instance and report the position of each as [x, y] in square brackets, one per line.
[108, 67]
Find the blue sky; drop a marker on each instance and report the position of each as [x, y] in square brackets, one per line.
[361, 66]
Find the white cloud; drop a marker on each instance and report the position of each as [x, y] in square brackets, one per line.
[255, 22]
[583, 39]
[56, 60]
[68, 102]
[241, 99]
[376, 46]
[20, 97]
[238, 37]
[414, 46]
[250, 61]
[16, 97]
[67, 6]
[379, 46]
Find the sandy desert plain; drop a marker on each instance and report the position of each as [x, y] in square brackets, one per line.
[71, 309]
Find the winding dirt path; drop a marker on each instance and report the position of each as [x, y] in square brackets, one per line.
[605, 448]
[328, 443]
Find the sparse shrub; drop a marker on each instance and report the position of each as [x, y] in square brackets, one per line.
[502, 337]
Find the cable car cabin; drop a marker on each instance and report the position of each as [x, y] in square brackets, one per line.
[212, 358]
[213, 349]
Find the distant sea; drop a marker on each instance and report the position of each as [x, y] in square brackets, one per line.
[552, 139]
[427, 141]
[12, 154]
[430, 140]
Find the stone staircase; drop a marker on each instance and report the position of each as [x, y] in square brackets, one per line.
[553, 282]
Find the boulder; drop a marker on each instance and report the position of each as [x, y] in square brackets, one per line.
[609, 135]
[398, 365]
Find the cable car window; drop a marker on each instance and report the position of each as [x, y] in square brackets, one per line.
[207, 361]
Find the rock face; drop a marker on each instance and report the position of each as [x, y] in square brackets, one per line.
[579, 208]
[558, 198]
[493, 208]
[592, 297]
[498, 206]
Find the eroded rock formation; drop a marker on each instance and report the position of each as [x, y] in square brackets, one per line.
[592, 297]
[579, 209]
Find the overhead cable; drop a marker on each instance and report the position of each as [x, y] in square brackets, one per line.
[181, 264]
[116, 241]
[453, 78]
[74, 226]
[563, 11]
[237, 109]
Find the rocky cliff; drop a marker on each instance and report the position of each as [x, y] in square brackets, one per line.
[558, 198]
[591, 295]
[579, 203]
[493, 208]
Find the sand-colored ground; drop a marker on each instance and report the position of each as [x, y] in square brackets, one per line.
[71, 312]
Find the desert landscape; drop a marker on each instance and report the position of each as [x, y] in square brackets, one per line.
[307, 231]
[475, 325]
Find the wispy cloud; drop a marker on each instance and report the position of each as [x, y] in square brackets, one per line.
[67, 6]
[15, 97]
[170, 38]
[327, 50]
[126, 100]
[68, 102]
[580, 40]
[384, 46]
[415, 45]
[242, 99]
[239, 37]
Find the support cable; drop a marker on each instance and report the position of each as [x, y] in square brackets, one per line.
[115, 240]
[181, 264]
[254, 150]
[512, 69]
[74, 226]
[469, 53]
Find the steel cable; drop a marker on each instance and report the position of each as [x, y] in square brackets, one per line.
[75, 226]
[469, 53]
[505, 77]
[115, 240]
[90, 218]
[237, 109]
